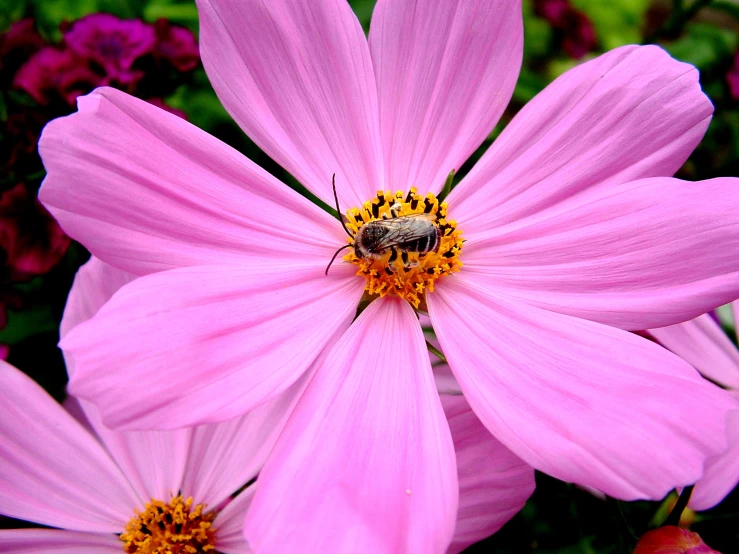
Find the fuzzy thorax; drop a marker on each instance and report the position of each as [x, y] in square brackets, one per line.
[176, 527]
[411, 274]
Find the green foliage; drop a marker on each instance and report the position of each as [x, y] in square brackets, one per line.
[182, 12]
[616, 22]
[704, 46]
[10, 11]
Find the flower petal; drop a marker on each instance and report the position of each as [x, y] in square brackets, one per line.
[445, 73]
[56, 541]
[229, 524]
[52, 471]
[494, 483]
[302, 88]
[239, 446]
[633, 112]
[153, 461]
[703, 344]
[645, 254]
[365, 463]
[721, 473]
[205, 344]
[586, 403]
[145, 191]
[95, 283]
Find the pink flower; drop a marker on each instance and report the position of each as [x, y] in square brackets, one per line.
[703, 344]
[114, 44]
[574, 234]
[159, 103]
[89, 482]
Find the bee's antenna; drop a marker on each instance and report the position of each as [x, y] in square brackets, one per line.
[338, 212]
[334, 256]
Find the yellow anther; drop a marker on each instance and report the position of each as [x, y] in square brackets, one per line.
[176, 527]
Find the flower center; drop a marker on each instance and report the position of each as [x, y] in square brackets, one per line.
[174, 528]
[402, 243]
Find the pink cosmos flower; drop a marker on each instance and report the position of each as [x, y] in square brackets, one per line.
[703, 343]
[573, 233]
[90, 482]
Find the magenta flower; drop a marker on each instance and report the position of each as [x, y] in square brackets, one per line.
[114, 44]
[93, 483]
[52, 75]
[573, 233]
[732, 78]
[177, 45]
[31, 241]
[17, 44]
[703, 343]
[575, 29]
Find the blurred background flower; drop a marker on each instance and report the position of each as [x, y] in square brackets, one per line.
[51, 51]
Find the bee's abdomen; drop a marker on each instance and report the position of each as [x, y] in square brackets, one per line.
[428, 243]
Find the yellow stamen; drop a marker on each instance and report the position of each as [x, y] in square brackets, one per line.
[409, 279]
[174, 528]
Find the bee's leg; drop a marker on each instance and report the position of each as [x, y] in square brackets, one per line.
[390, 269]
[394, 210]
[407, 263]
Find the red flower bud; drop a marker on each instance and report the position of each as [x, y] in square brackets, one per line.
[672, 540]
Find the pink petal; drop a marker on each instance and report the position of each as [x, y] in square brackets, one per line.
[302, 88]
[445, 73]
[645, 254]
[365, 463]
[208, 343]
[55, 541]
[446, 382]
[146, 191]
[229, 524]
[633, 112]
[153, 461]
[52, 471]
[94, 284]
[236, 449]
[586, 403]
[721, 473]
[494, 483]
[703, 344]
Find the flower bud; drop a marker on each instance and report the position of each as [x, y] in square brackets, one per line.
[672, 540]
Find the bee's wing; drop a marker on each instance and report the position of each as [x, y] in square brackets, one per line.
[403, 229]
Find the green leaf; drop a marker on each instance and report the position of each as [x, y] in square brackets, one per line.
[363, 10]
[703, 45]
[616, 22]
[178, 11]
[30, 321]
[10, 12]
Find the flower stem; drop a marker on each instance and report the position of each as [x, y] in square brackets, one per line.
[677, 511]
[436, 352]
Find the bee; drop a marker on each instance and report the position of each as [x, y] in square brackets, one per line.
[404, 234]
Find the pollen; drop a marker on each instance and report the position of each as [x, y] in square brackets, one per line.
[176, 527]
[410, 265]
